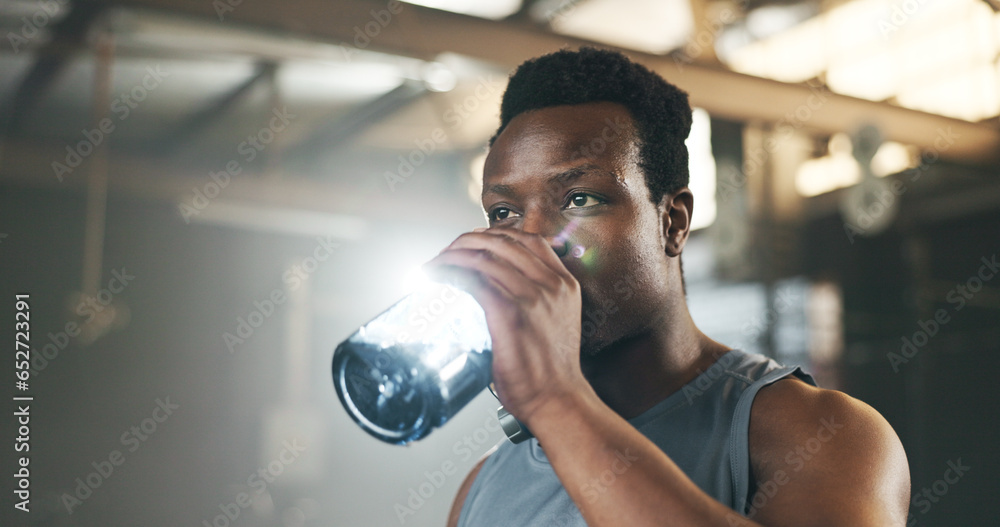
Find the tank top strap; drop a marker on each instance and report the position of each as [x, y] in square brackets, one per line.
[740, 438]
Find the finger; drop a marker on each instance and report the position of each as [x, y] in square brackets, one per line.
[530, 253]
[483, 267]
[498, 246]
[549, 250]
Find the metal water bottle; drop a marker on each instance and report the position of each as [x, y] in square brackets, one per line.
[413, 367]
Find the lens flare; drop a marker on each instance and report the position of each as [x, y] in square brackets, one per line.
[567, 231]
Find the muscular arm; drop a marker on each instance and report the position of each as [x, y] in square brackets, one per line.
[824, 458]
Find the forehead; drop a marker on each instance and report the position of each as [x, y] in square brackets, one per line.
[559, 138]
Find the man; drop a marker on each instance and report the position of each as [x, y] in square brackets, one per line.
[640, 419]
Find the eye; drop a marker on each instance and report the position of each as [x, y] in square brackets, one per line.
[500, 214]
[580, 200]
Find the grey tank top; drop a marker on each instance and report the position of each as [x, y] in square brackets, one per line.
[702, 427]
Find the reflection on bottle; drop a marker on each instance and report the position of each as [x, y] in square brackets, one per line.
[413, 367]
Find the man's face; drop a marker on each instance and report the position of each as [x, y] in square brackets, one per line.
[579, 164]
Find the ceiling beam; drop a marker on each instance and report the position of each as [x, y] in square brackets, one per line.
[51, 59]
[29, 164]
[212, 112]
[523, 13]
[344, 129]
[703, 34]
[424, 33]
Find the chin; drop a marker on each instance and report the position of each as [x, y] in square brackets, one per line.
[593, 346]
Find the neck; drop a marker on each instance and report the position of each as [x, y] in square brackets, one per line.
[635, 373]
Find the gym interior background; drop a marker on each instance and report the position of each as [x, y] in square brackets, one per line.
[202, 198]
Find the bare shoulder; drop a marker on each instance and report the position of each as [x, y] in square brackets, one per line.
[463, 492]
[822, 457]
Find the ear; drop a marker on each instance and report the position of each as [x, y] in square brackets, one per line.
[675, 220]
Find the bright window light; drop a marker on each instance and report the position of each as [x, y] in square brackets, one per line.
[475, 186]
[701, 165]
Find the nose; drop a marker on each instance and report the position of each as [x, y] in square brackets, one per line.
[551, 227]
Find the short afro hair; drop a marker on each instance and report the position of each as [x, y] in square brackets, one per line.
[660, 110]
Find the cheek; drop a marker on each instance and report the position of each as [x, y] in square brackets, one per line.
[636, 266]
[635, 246]
[625, 245]
[617, 268]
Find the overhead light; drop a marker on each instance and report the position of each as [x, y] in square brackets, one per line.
[438, 77]
[798, 55]
[653, 26]
[836, 170]
[317, 82]
[818, 176]
[866, 75]
[769, 20]
[892, 158]
[492, 9]
[938, 57]
[972, 95]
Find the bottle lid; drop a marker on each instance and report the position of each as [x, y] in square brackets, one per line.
[515, 430]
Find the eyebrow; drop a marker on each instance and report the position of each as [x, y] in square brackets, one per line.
[563, 178]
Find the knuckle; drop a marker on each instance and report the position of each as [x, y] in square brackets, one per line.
[483, 255]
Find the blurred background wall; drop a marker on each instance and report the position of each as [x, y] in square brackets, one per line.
[202, 198]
